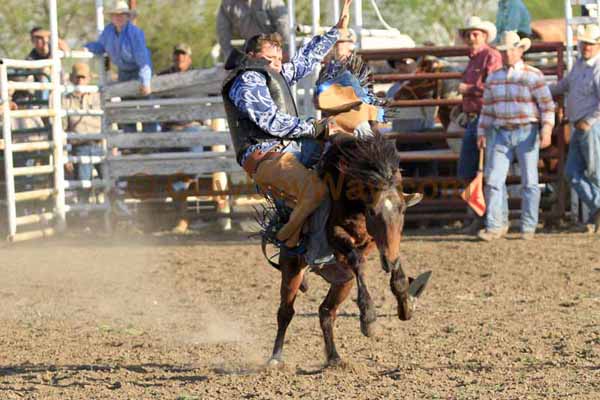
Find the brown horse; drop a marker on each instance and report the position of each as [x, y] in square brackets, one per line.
[367, 212]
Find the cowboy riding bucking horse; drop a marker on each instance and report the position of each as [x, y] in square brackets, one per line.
[288, 158]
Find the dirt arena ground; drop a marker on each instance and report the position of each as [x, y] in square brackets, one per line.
[193, 317]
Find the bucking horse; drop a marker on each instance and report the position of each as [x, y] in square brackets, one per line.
[367, 207]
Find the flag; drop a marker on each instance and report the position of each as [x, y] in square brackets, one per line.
[473, 195]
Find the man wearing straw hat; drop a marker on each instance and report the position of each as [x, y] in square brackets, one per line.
[516, 101]
[125, 44]
[583, 110]
[483, 60]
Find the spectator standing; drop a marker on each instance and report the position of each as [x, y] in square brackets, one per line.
[583, 110]
[244, 19]
[483, 60]
[181, 62]
[125, 44]
[182, 59]
[40, 39]
[513, 15]
[78, 100]
[516, 101]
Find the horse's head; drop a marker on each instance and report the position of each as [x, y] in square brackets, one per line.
[385, 221]
[374, 164]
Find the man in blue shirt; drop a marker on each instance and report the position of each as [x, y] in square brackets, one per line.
[125, 44]
[513, 16]
[583, 109]
[262, 114]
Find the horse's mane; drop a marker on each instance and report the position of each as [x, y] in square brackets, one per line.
[373, 161]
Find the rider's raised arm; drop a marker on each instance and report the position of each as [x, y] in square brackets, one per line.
[312, 53]
[250, 95]
[309, 56]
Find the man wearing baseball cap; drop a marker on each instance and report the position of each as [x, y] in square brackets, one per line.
[583, 110]
[83, 124]
[182, 59]
[516, 103]
[181, 62]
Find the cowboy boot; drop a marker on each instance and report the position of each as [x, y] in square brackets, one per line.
[287, 179]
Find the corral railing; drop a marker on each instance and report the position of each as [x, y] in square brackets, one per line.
[53, 189]
[155, 158]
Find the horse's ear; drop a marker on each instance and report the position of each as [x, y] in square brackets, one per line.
[412, 199]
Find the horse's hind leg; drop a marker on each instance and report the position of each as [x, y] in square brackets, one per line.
[327, 314]
[292, 272]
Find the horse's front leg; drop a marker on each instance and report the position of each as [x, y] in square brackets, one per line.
[292, 273]
[400, 285]
[344, 243]
[368, 315]
[327, 315]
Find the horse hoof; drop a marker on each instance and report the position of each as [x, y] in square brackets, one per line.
[274, 363]
[367, 322]
[368, 329]
[335, 362]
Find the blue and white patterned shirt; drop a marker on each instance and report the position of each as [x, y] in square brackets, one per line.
[127, 50]
[250, 94]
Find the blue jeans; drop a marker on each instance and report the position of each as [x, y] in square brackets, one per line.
[468, 163]
[583, 166]
[524, 144]
[151, 127]
[307, 151]
[84, 171]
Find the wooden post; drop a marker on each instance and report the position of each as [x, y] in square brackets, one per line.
[8, 155]
[58, 135]
[219, 179]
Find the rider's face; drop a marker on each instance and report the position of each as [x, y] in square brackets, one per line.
[271, 53]
[343, 49]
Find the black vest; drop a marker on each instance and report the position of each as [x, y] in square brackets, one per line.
[244, 132]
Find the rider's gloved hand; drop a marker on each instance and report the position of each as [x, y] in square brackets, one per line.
[327, 127]
[322, 128]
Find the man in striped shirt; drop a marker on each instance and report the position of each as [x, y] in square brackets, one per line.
[516, 102]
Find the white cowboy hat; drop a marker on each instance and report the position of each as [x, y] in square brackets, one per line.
[511, 40]
[476, 23]
[121, 7]
[590, 34]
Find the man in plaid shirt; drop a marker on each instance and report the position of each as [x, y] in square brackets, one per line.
[516, 102]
